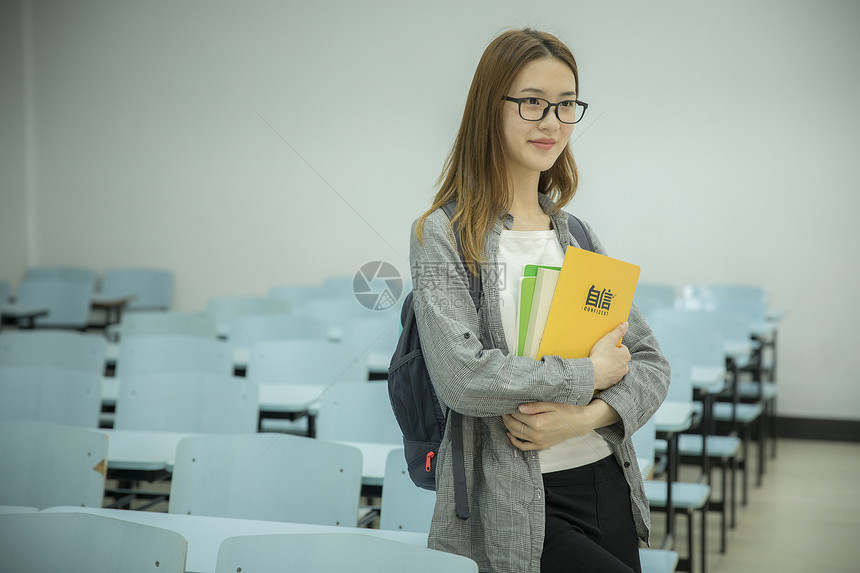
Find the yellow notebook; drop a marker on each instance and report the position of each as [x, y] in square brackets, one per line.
[593, 295]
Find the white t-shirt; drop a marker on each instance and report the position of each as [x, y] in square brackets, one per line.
[517, 249]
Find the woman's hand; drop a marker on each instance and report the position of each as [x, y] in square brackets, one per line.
[610, 361]
[539, 425]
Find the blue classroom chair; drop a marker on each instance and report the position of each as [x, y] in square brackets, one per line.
[63, 273]
[740, 418]
[152, 288]
[50, 394]
[687, 498]
[267, 476]
[658, 560]
[651, 296]
[143, 323]
[296, 294]
[173, 353]
[686, 345]
[39, 542]
[358, 413]
[334, 552]
[224, 309]
[67, 301]
[405, 506]
[187, 402]
[59, 348]
[46, 465]
[247, 330]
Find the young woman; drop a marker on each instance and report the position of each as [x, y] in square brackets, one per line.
[552, 478]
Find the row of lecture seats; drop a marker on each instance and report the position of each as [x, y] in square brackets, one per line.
[191, 402]
[333, 329]
[259, 477]
[263, 476]
[69, 294]
[729, 330]
[68, 541]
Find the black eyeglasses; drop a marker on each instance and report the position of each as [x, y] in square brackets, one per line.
[536, 108]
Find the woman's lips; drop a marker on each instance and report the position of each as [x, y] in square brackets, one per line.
[545, 144]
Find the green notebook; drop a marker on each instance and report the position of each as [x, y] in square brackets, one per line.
[527, 290]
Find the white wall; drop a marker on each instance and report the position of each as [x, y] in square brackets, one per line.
[258, 143]
[13, 138]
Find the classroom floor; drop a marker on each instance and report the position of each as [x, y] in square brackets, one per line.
[805, 517]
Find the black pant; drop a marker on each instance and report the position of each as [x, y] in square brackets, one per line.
[589, 521]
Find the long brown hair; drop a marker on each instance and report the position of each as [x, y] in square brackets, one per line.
[475, 174]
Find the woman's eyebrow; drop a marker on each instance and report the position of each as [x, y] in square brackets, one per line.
[541, 92]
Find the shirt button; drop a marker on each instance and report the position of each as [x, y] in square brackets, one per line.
[538, 494]
[626, 464]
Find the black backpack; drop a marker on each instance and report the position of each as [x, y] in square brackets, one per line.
[413, 397]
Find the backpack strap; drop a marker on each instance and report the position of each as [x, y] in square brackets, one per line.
[459, 460]
[577, 229]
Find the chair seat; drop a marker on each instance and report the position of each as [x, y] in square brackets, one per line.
[749, 390]
[658, 560]
[723, 411]
[746, 413]
[684, 495]
[718, 446]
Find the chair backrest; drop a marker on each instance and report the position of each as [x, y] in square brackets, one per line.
[727, 324]
[650, 296]
[187, 402]
[50, 394]
[296, 294]
[46, 465]
[725, 291]
[249, 329]
[68, 302]
[372, 334]
[749, 301]
[358, 413]
[225, 308]
[332, 552]
[335, 312]
[82, 542]
[64, 349]
[152, 288]
[268, 476]
[174, 353]
[145, 323]
[405, 507]
[62, 273]
[675, 342]
[311, 361]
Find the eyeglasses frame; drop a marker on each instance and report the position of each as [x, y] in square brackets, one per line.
[519, 101]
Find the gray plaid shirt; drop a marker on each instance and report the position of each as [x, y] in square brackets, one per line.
[474, 373]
